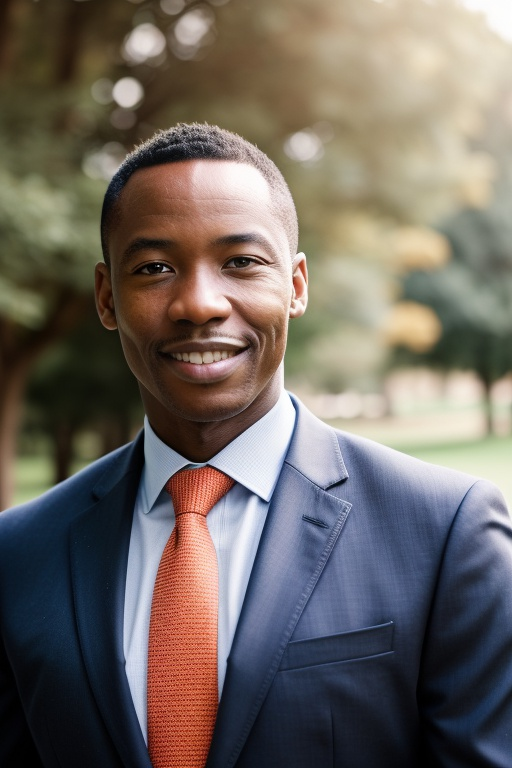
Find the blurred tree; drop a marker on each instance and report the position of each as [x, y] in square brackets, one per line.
[472, 294]
[472, 297]
[47, 236]
[369, 108]
[83, 384]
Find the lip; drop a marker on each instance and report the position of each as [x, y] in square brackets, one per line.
[211, 344]
[205, 373]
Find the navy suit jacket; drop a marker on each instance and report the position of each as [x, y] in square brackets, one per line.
[376, 630]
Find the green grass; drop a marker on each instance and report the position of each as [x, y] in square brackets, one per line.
[490, 458]
[452, 437]
[33, 476]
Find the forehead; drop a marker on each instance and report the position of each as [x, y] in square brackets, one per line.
[220, 184]
[196, 199]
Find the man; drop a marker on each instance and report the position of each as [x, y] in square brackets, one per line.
[364, 598]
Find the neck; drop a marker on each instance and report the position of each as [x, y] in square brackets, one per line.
[199, 441]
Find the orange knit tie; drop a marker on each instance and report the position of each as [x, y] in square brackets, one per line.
[182, 654]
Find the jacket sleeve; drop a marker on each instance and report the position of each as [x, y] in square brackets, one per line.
[465, 686]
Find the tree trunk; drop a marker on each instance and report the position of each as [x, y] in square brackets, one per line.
[114, 433]
[12, 387]
[68, 47]
[63, 436]
[6, 36]
[488, 410]
[17, 356]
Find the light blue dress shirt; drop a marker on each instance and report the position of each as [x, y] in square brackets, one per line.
[254, 460]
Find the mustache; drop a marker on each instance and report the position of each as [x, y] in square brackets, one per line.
[183, 338]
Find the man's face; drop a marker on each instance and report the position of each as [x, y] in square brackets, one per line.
[201, 287]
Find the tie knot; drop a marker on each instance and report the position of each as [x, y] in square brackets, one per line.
[197, 490]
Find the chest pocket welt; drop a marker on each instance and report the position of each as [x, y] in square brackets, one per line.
[346, 646]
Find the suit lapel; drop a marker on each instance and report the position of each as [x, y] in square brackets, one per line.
[303, 524]
[99, 550]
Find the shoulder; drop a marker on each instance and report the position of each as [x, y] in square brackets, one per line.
[422, 502]
[388, 479]
[67, 500]
[388, 465]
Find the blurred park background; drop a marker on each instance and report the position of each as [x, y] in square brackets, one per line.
[391, 121]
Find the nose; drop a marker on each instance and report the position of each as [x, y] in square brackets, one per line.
[198, 298]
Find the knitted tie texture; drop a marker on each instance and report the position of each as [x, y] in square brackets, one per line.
[182, 654]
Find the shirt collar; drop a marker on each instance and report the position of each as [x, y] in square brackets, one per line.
[253, 459]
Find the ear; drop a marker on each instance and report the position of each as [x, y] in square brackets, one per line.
[104, 296]
[299, 300]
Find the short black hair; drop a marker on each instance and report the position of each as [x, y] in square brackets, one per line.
[197, 141]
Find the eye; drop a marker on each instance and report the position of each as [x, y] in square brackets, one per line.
[240, 262]
[155, 268]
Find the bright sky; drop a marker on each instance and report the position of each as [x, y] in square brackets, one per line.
[498, 12]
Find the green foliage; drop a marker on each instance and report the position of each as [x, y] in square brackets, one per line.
[50, 241]
[82, 384]
[83, 380]
[340, 344]
[472, 295]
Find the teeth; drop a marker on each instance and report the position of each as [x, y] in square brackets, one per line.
[200, 358]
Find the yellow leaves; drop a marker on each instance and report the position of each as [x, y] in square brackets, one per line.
[412, 325]
[420, 248]
[475, 188]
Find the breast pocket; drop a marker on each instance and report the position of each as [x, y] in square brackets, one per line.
[346, 646]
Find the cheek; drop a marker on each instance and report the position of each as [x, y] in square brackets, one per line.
[137, 316]
[136, 330]
[134, 358]
[271, 321]
[267, 308]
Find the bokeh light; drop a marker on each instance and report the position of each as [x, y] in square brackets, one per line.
[104, 162]
[101, 90]
[304, 146]
[192, 32]
[172, 7]
[144, 42]
[128, 92]
[497, 12]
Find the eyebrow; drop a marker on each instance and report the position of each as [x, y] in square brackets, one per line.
[246, 237]
[160, 244]
[144, 244]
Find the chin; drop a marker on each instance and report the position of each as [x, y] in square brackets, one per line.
[209, 410]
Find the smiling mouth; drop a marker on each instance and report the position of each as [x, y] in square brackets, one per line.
[203, 358]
